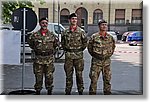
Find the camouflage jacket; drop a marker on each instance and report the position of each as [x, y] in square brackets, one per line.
[40, 43]
[74, 43]
[101, 48]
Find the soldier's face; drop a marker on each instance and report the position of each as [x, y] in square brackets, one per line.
[73, 20]
[103, 27]
[44, 24]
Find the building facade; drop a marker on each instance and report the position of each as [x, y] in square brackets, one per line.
[121, 15]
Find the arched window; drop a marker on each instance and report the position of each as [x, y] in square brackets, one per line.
[82, 18]
[97, 15]
[64, 14]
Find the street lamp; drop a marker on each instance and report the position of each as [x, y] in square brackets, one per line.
[109, 15]
[58, 25]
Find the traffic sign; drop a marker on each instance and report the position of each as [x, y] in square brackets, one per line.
[18, 17]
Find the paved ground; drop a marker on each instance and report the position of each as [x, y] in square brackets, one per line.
[127, 74]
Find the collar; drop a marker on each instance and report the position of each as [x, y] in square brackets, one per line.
[103, 36]
[73, 28]
[43, 32]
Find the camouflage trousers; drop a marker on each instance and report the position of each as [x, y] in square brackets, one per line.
[69, 66]
[45, 70]
[96, 68]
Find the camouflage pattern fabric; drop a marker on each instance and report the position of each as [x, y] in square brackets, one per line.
[46, 69]
[42, 43]
[68, 67]
[43, 64]
[101, 49]
[74, 43]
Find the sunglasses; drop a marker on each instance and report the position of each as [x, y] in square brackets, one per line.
[44, 22]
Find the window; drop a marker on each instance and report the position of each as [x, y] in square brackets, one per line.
[43, 12]
[120, 16]
[97, 15]
[64, 14]
[136, 16]
[58, 31]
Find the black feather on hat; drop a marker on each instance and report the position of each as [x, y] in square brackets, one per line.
[43, 19]
[72, 15]
[101, 21]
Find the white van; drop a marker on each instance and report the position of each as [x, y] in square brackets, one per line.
[53, 27]
[113, 34]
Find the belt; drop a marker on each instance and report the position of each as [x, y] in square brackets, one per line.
[101, 58]
[98, 57]
[73, 50]
[44, 53]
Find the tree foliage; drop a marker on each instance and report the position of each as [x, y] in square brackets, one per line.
[9, 6]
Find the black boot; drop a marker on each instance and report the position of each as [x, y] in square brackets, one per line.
[80, 93]
[92, 93]
[107, 93]
[67, 93]
[37, 92]
[49, 92]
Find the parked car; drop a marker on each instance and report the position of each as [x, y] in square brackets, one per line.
[124, 36]
[135, 43]
[6, 27]
[135, 38]
[113, 34]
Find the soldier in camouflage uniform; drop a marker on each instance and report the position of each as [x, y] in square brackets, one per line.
[101, 46]
[74, 42]
[43, 43]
